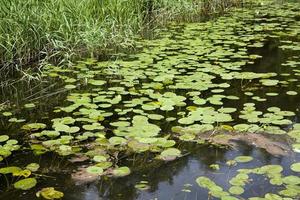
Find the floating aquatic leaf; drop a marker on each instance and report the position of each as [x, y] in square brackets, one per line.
[243, 159]
[137, 146]
[10, 170]
[7, 114]
[29, 105]
[50, 193]
[295, 167]
[272, 169]
[94, 126]
[25, 184]
[33, 167]
[227, 110]
[4, 152]
[272, 94]
[170, 154]
[186, 120]
[121, 171]
[97, 82]
[296, 148]
[99, 158]
[117, 141]
[120, 124]
[269, 82]
[236, 190]
[142, 186]
[231, 163]
[155, 116]
[94, 170]
[291, 93]
[4, 138]
[34, 126]
[215, 166]
[291, 180]
[187, 137]
[51, 134]
[104, 165]
[69, 87]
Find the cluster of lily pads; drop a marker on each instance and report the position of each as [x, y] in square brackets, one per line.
[289, 184]
[26, 179]
[7, 146]
[176, 88]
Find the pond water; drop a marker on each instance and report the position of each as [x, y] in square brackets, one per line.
[160, 123]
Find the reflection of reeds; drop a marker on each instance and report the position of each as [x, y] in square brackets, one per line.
[32, 30]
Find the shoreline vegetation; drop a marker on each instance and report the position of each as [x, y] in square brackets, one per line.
[36, 32]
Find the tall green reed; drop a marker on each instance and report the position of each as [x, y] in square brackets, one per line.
[37, 30]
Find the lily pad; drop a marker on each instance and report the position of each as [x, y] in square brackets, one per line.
[295, 167]
[25, 184]
[50, 193]
[10, 170]
[99, 158]
[94, 170]
[34, 126]
[236, 190]
[121, 171]
[117, 141]
[33, 167]
[4, 138]
[170, 154]
[243, 159]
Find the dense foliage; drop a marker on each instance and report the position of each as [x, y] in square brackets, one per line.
[33, 30]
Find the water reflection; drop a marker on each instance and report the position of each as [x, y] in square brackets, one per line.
[167, 180]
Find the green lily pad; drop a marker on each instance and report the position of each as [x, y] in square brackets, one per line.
[97, 82]
[243, 159]
[10, 170]
[104, 165]
[170, 154]
[291, 93]
[236, 190]
[4, 152]
[50, 193]
[70, 86]
[117, 141]
[94, 170]
[7, 114]
[295, 167]
[142, 186]
[29, 105]
[296, 148]
[34, 126]
[291, 180]
[4, 138]
[271, 169]
[99, 158]
[33, 167]
[25, 184]
[121, 171]
[120, 124]
[269, 82]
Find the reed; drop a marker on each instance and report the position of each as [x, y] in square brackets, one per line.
[34, 31]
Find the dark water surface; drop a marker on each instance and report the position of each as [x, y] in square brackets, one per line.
[174, 179]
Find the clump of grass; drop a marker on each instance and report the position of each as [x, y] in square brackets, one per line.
[33, 30]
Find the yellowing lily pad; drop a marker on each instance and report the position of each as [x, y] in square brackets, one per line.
[25, 184]
[50, 193]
